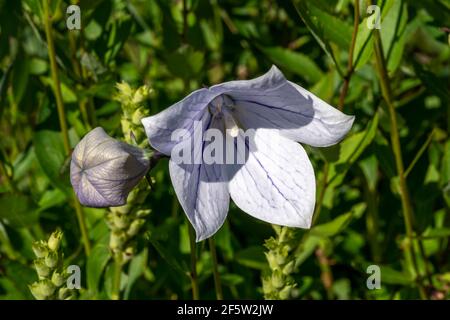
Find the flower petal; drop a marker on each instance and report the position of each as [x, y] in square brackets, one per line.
[181, 115]
[271, 101]
[104, 170]
[276, 184]
[268, 81]
[201, 188]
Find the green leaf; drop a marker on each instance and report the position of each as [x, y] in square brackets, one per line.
[185, 62]
[169, 258]
[325, 28]
[18, 210]
[67, 94]
[231, 279]
[51, 198]
[96, 264]
[306, 248]
[364, 39]
[392, 276]
[135, 270]
[393, 34]
[333, 227]
[117, 35]
[369, 167]
[343, 155]
[294, 61]
[339, 223]
[363, 45]
[436, 233]
[223, 241]
[50, 153]
[20, 75]
[252, 257]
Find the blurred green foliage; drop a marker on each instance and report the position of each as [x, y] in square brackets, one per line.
[176, 47]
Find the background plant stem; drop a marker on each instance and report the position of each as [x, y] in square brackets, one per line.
[115, 294]
[62, 117]
[407, 209]
[217, 282]
[350, 67]
[194, 279]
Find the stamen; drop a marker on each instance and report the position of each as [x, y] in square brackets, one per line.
[230, 124]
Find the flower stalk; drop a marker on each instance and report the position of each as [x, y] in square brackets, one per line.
[407, 209]
[62, 118]
[217, 282]
[193, 274]
[125, 222]
[278, 283]
[350, 66]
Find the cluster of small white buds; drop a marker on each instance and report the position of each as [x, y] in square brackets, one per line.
[49, 268]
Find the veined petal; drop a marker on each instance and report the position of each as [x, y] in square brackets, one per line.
[104, 170]
[276, 184]
[268, 81]
[328, 127]
[271, 101]
[181, 115]
[201, 188]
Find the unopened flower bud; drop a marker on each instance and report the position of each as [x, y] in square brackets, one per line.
[121, 221]
[58, 279]
[43, 289]
[141, 213]
[40, 248]
[104, 170]
[117, 240]
[51, 260]
[272, 260]
[64, 294]
[42, 269]
[141, 94]
[286, 292]
[277, 280]
[55, 240]
[135, 227]
[128, 254]
[289, 268]
[124, 89]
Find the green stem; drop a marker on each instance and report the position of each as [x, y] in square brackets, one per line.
[419, 154]
[407, 209]
[55, 78]
[326, 275]
[217, 282]
[82, 223]
[372, 223]
[344, 91]
[62, 115]
[194, 279]
[115, 294]
[350, 67]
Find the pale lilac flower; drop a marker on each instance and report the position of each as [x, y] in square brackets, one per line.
[276, 183]
[104, 170]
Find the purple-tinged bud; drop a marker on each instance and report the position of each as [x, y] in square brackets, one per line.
[104, 170]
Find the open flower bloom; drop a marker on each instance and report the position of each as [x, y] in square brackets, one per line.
[275, 182]
[104, 170]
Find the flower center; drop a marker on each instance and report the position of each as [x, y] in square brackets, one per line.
[222, 108]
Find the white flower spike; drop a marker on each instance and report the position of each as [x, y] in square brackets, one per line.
[276, 182]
